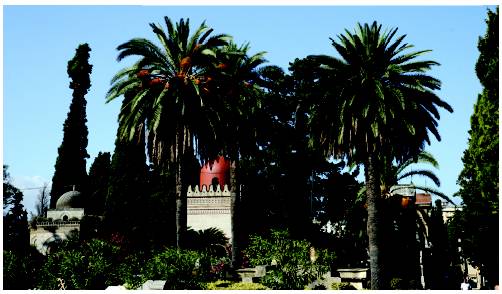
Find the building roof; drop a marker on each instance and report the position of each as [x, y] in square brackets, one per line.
[69, 200]
[423, 199]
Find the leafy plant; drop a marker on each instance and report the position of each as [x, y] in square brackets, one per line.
[130, 270]
[397, 283]
[295, 262]
[18, 270]
[92, 265]
[228, 285]
[342, 286]
[181, 269]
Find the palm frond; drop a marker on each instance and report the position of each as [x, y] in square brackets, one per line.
[423, 173]
[435, 192]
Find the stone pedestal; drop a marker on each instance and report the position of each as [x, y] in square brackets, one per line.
[357, 277]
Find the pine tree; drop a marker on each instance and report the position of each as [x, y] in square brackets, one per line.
[478, 180]
[70, 168]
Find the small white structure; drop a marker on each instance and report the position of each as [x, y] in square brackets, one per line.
[209, 208]
[62, 221]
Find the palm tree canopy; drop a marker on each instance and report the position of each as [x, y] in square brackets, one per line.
[380, 99]
[238, 82]
[170, 83]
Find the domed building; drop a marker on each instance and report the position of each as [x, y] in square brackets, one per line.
[61, 222]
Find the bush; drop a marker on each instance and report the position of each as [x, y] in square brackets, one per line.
[319, 287]
[130, 270]
[227, 285]
[293, 267]
[181, 269]
[21, 268]
[92, 265]
[342, 286]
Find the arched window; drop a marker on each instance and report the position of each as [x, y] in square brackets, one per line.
[65, 218]
[215, 182]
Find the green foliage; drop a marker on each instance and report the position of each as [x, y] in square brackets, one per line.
[99, 175]
[181, 269]
[478, 223]
[137, 204]
[70, 167]
[93, 265]
[292, 259]
[211, 240]
[342, 286]
[130, 270]
[397, 284]
[15, 222]
[20, 269]
[229, 285]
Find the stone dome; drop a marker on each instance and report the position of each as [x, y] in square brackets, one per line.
[68, 200]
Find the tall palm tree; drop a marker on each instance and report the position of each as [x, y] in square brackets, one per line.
[238, 85]
[172, 99]
[379, 104]
[409, 219]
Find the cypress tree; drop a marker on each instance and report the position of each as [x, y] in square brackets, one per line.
[99, 176]
[478, 180]
[127, 186]
[70, 168]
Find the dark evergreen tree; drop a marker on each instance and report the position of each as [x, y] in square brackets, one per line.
[127, 186]
[479, 179]
[139, 206]
[15, 223]
[70, 168]
[99, 175]
[440, 253]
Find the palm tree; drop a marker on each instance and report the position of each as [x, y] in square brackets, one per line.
[212, 240]
[392, 177]
[410, 219]
[238, 85]
[379, 104]
[172, 100]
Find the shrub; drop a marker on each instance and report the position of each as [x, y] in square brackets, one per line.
[181, 269]
[293, 267]
[319, 287]
[342, 286]
[92, 265]
[228, 285]
[15, 272]
[397, 283]
[130, 270]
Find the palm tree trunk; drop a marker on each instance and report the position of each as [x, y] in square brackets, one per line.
[374, 223]
[234, 203]
[181, 208]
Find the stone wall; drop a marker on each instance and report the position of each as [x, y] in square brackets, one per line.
[50, 231]
[208, 208]
[70, 213]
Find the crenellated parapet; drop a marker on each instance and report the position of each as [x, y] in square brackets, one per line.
[205, 192]
[209, 202]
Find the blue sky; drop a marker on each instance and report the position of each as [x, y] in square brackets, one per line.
[39, 41]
